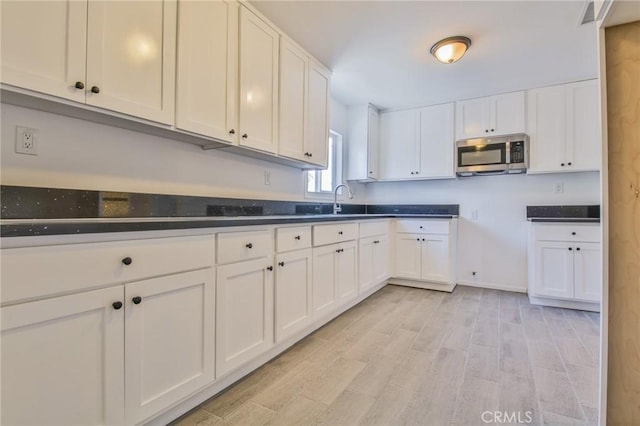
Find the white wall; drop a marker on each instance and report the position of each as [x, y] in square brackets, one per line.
[494, 245]
[80, 154]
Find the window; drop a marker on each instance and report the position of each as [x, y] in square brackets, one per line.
[323, 181]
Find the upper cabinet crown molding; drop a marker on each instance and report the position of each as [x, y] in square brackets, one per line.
[114, 55]
[563, 126]
[490, 116]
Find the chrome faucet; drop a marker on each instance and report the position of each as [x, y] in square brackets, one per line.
[337, 208]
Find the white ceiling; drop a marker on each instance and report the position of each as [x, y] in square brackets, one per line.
[379, 50]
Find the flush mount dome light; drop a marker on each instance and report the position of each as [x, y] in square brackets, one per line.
[450, 49]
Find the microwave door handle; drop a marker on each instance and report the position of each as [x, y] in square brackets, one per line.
[491, 172]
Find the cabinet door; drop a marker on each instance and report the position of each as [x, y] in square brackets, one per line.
[169, 340]
[553, 269]
[131, 57]
[473, 118]
[366, 263]
[408, 256]
[435, 258]
[436, 141]
[399, 147]
[588, 272]
[244, 313]
[373, 143]
[294, 67]
[207, 80]
[293, 292]
[259, 45]
[381, 260]
[346, 272]
[507, 114]
[44, 46]
[584, 141]
[317, 117]
[547, 128]
[324, 273]
[63, 359]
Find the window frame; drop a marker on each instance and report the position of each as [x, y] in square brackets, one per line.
[336, 178]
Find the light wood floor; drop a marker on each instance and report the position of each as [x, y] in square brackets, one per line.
[411, 356]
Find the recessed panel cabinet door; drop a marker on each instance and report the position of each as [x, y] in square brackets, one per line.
[293, 292]
[324, 273]
[381, 260]
[473, 118]
[259, 46]
[553, 269]
[294, 67]
[62, 360]
[547, 128]
[584, 142]
[131, 57]
[347, 272]
[408, 256]
[436, 141]
[169, 340]
[588, 272]
[244, 312]
[317, 122]
[400, 148]
[366, 263]
[435, 258]
[207, 80]
[44, 46]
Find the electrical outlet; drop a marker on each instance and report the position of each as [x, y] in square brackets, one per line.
[267, 177]
[26, 141]
[558, 188]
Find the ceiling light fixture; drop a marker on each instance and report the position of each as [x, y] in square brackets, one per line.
[450, 49]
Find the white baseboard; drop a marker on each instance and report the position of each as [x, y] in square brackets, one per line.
[423, 284]
[492, 286]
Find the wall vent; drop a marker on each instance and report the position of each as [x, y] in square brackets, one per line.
[588, 15]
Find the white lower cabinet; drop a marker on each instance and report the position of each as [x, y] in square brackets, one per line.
[335, 277]
[62, 360]
[169, 340]
[346, 272]
[373, 262]
[565, 264]
[293, 289]
[244, 312]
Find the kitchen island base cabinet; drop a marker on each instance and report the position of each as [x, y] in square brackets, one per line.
[62, 360]
[169, 340]
[244, 313]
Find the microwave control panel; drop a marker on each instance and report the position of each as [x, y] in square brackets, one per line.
[517, 152]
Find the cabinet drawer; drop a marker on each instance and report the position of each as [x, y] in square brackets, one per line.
[423, 226]
[288, 239]
[369, 229]
[36, 272]
[240, 246]
[564, 232]
[334, 233]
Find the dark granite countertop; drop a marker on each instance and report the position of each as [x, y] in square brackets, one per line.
[564, 214]
[30, 211]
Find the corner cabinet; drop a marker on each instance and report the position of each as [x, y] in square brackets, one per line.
[258, 104]
[417, 143]
[363, 144]
[490, 116]
[304, 106]
[114, 55]
[565, 265]
[563, 126]
[207, 69]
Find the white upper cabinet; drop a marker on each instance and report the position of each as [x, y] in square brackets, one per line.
[259, 47]
[563, 126]
[294, 70]
[417, 143]
[490, 116]
[317, 118]
[207, 69]
[304, 106]
[115, 55]
[399, 144]
[436, 141]
[49, 54]
[363, 143]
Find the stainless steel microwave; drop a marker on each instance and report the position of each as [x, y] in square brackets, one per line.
[492, 156]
